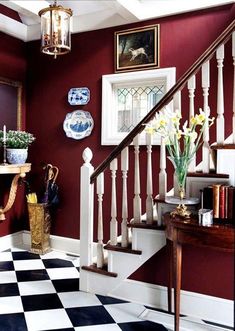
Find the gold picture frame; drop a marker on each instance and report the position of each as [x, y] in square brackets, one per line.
[137, 49]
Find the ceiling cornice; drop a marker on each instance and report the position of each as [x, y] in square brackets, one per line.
[113, 13]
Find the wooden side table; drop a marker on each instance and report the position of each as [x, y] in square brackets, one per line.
[179, 232]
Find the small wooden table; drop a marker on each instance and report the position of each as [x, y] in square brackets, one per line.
[178, 232]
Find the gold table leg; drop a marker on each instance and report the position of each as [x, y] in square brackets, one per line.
[12, 196]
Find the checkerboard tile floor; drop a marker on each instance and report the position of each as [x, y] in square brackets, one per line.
[41, 293]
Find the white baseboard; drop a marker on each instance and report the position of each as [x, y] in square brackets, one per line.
[11, 240]
[62, 244]
[195, 305]
[22, 238]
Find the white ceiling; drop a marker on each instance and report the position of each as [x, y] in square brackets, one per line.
[96, 14]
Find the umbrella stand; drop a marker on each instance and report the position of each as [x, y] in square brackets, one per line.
[40, 213]
[40, 225]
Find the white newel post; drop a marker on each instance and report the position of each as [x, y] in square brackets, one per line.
[233, 55]
[149, 190]
[113, 223]
[206, 109]
[86, 217]
[191, 90]
[124, 169]
[137, 199]
[220, 97]
[162, 173]
[100, 235]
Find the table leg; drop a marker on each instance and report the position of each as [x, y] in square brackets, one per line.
[177, 251]
[169, 248]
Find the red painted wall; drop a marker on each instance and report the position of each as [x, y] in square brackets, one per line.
[183, 38]
[10, 13]
[12, 66]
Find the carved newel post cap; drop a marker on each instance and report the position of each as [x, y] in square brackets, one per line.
[87, 155]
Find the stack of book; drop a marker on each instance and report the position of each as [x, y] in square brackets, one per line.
[221, 199]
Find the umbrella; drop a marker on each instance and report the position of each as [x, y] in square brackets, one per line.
[50, 195]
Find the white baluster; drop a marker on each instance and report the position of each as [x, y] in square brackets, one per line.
[220, 96]
[191, 89]
[233, 55]
[124, 168]
[137, 199]
[206, 109]
[177, 101]
[86, 216]
[100, 248]
[162, 173]
[149, 199]
[113, 223]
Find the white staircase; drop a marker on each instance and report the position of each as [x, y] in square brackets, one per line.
[123, 262]
[147, 233]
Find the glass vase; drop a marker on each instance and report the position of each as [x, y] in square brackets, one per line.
[181, 165]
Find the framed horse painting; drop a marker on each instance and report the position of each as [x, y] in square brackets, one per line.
[137, 49]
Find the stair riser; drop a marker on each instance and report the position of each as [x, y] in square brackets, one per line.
[225, 163]
[147, 241]
[96, 283]
[195, 184]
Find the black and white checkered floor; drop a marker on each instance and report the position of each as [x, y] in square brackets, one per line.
[42, 293]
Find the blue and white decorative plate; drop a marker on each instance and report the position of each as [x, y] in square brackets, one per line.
[78, 124]
[79, 96]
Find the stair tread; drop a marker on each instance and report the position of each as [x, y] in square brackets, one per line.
[119, 248]
[144, 225]
[220, 146]
[206, 175]
[103, 271]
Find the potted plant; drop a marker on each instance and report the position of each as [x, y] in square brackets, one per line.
[16, 144]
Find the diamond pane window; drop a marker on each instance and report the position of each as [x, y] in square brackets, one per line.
[133, 103]
[128, 97]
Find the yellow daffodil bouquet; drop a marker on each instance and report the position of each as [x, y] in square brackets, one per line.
[181, 144]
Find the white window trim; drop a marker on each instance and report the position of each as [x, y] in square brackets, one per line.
[109, 133]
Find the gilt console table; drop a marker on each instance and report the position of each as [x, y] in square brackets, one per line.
[19, 170]
[179, 232]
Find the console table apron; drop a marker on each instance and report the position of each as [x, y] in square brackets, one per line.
[179, 232]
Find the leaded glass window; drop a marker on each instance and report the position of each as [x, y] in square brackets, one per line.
[126, 99]
[133, 103]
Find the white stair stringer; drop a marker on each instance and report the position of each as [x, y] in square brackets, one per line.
[124, 264]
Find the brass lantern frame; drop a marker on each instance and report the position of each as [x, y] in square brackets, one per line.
[55, 30]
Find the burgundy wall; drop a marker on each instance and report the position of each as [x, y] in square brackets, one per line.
[92, 56]
[10, 13]
[12, 66]
[183, 38]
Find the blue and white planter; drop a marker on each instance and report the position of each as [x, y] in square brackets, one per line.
[17, 156]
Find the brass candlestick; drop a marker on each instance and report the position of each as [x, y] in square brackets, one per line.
[4, 153]
[181, 210]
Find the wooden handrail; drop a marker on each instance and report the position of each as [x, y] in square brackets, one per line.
[222, 39]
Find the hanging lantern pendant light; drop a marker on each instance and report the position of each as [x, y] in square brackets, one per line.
[55, 30]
